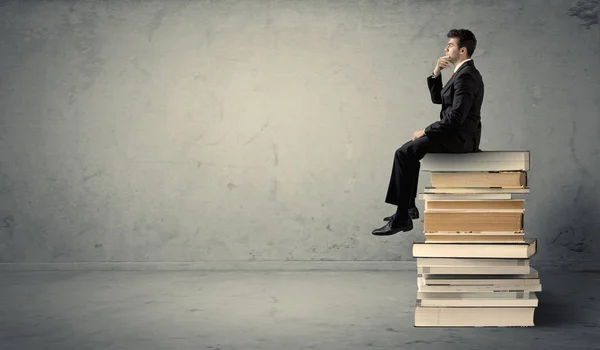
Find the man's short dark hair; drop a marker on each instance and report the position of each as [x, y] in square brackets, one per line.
[466, 39]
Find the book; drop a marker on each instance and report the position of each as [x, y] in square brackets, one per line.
[477, 299]
[436, 237]
[425, 285]
[516, 250]
[475, 270]
[470, 280]
[473, 220]
[482, 190]
[471, 262]
[474, 316]
[478, 161]
[516, 179]
[475, 196]
[482, 266]
[460, 204]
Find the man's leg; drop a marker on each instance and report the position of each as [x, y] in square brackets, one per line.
[401, 179]
[413, 212]
[413, 196]
[403, 183]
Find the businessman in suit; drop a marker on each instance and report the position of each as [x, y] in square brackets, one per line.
[457, 131]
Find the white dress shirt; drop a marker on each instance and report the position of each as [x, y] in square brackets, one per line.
[460, 64]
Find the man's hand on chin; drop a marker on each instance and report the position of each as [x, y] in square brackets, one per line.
[418, 134]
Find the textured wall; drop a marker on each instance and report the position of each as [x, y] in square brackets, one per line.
[265, 130]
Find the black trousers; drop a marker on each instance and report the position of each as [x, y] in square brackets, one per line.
[402, 189]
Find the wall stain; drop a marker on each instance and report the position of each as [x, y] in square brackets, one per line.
[81, 25]
[136, 64]
[537, 93]
[99, 172]
[9, 224]
[301, 219]
[155, 23]
[275, 155]
[417, 35]
[84, 231]
[254, 255]
[72, 95]
[582, 169]
[569, 240]
[586, 10]
[258, 133]
[578, 247]
[350, 242]
[8, 221]
[417, 342]
[219, 140]
[273, 192]
[579, 190]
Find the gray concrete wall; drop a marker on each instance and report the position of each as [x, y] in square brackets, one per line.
[265, 130]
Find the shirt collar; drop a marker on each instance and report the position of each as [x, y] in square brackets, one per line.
[460, 64]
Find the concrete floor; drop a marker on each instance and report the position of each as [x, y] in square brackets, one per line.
[268, 310]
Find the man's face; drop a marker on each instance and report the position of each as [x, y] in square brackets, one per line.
[452, 50]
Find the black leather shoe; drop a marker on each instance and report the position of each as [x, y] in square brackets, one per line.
[413, 213]
[392, 227]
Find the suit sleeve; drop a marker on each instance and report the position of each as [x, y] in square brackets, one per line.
[452, 118]
[435, 88]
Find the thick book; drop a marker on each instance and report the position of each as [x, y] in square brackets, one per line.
[485, 179]
[516, 250]
[475, 204]
[479, 161]
[473, 220]
[474, 316]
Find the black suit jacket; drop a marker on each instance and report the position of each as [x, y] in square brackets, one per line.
[461, 99]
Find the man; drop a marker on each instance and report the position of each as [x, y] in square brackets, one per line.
[457, 131]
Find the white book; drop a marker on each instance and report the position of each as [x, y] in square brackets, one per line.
[475, 211]
[481, 190]
[423, 262]
[474, 316]
[435, 196]
[479, 161]
[487, 250]
[474, 270]
[494, 299]
[525, 285]
[532, 278]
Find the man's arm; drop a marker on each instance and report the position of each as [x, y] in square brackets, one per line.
[452, 118]
[435, 88]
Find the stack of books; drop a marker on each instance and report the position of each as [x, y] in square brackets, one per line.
[473, 268]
